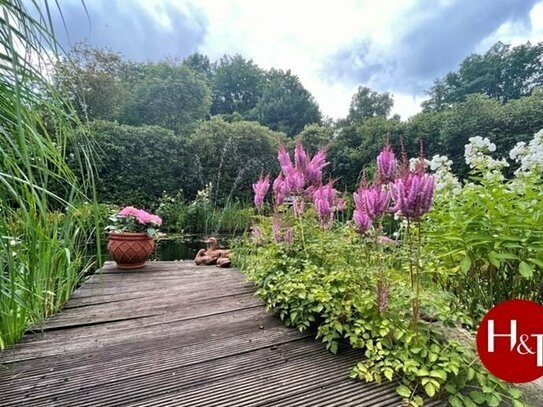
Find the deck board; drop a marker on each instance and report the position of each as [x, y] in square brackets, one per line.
[173, 334]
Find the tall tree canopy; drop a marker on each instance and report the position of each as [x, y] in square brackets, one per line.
[367, 103]
[237, 85]
[90, 77]
[169, 95]
[285, 104]
[503, 73]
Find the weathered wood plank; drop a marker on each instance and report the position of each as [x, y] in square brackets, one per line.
[173, 334]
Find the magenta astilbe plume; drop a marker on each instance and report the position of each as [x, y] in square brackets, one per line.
[374, 201]
[362, 220]
[284, 160]
[387, 165]
[295, 180]
[313, 171]
[323, 200]
[289, 235]
[300, 157]
[261, 189]
[298, 206]
[257, 236]
[280, 189]
[413, 195]
[341, 203]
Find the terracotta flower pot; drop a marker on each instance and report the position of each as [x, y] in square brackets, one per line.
[130, 250]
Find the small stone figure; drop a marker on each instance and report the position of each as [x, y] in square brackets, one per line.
[213, 255]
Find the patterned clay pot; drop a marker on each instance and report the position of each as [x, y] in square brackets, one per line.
[130, 250]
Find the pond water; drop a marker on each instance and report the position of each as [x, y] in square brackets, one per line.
[183, 248]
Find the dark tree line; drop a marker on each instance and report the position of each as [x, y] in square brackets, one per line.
[187, 123]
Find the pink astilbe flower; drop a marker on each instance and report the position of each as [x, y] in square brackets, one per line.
[300, 157]
[362, 220]
[387, 165]
[413, 195]
[298, 206]
[341, 203]
[284, 160]
[257, 236]
[387, 241]
[128, 211]
[295, 180]
[374, 201]
[313, 171]
[289, 236]
[280, 189]
[261, 189]
[276, 228]
[323, 200]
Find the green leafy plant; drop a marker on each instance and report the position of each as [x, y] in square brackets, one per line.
[368, 291]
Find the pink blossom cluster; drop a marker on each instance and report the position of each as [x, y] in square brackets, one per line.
[260, 189]
[141, 216]
[408, 193]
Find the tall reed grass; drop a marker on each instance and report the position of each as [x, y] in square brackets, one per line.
[45, 229]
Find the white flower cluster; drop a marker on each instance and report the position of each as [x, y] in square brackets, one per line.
[413, 162]
[445, 179]
[204, 194]
[530, 157]
[477, 158]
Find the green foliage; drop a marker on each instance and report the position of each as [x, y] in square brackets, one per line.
[168, 95]
[444, 133]
[90, 77]
[136, 164]
[329, 279]
[367, 103]
[357, 145]
[44, 233]
[315, 137]
[502, 73]
[488, 242]
[231, 156]
[285, 105]
[202, 217]
[237, 85]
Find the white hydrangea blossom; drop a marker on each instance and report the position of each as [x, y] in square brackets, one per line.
[445, 179]
[476, 157]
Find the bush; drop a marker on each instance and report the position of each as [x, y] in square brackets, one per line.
[136, 164]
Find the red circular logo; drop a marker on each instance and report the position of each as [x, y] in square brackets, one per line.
[510, 341]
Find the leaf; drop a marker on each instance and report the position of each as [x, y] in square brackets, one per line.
[454, 401]
[389, 374]
[430, 389]
[493, 400]
[493, 259]
[403, 391]
[515, 393]
[525, 270]
[465, 264]
[440, 374]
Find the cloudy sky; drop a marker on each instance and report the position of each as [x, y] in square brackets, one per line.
[399, 46]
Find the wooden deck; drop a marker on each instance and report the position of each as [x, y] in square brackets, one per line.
[173, 334]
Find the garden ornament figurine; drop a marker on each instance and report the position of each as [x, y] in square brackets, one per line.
[213, 255]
